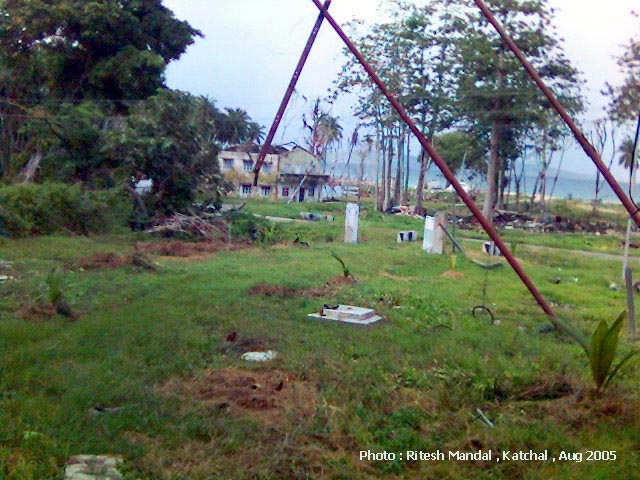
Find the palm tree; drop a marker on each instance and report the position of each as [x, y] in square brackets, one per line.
[324, 129]
[238, 125]
[255, 132]
[626, 152]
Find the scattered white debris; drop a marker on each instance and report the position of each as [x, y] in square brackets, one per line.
[92, 467]
[260, 356]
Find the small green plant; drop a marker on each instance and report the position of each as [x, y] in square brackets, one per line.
[452, 262]
[245, 225]
[268, 234]
[56, 295]
[604, 344]
[345, 269]
[514, 247]
[54, 282]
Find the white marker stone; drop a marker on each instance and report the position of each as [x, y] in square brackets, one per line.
[433, 239]
[351, 223]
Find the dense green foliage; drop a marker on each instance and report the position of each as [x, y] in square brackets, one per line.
[450, 69]
[30, 209]
[115, 50]
[82, 99]
[170, 139]
[56, 55]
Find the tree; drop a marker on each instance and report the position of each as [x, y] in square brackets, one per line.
[626, 151]
[70, 51]
[625, 99]
[497, 97]
[173, 139]
[411, 53]
[603, 136]
[109, 49]
[323, 131]
[461, 150]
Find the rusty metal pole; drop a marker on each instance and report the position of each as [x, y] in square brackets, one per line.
[290, 89]
[582, 140]
[446, 171]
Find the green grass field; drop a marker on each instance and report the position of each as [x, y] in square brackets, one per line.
[152, 369]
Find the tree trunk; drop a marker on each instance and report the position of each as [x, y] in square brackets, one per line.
[28, 173]
[420, 186]
[494, 150]
[500, 186]
[594, 210]
[387, 193]
[627, 242]
[381, 174]
[407, 172]
[494, 160]
[397, 187]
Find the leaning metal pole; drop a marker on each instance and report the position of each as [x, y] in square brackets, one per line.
[290, 89]
[446, 171]
[580, 137]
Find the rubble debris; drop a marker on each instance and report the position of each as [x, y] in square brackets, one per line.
[260, 356]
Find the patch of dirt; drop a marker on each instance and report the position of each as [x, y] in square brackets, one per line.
[397, 277]
[239, 344]
[182, 249]
[581, 412]
[263, 289]
[328, 289]
[100, 260]
[272, 397]
[340, 280]
[37, 311]
[452, 274]
[546, 389]
[110, 260]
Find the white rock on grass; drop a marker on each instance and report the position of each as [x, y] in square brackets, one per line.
[260, 356]
[92, 467]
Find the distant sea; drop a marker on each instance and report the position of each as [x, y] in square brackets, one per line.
[579, 186]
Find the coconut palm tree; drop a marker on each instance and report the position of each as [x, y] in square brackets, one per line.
[255, 132]
[324, 131]
[626, 151]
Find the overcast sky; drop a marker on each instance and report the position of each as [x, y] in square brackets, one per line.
[251, 47]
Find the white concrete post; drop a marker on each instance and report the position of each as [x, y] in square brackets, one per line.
[351, 223]
[433, 239]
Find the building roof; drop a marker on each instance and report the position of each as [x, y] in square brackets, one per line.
[254, 148]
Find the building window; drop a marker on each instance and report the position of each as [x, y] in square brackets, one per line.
[312, 191]
[246, 189]
[266, 190]
[247, 165]
[266, 168]
[285, 191]
[227, 163]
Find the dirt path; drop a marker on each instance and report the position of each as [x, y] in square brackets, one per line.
[585, 253]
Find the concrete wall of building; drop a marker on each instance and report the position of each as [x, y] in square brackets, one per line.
[237, 169]
[298, 161]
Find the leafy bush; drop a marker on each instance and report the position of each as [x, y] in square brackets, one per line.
[244, 225]
[31, 209]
